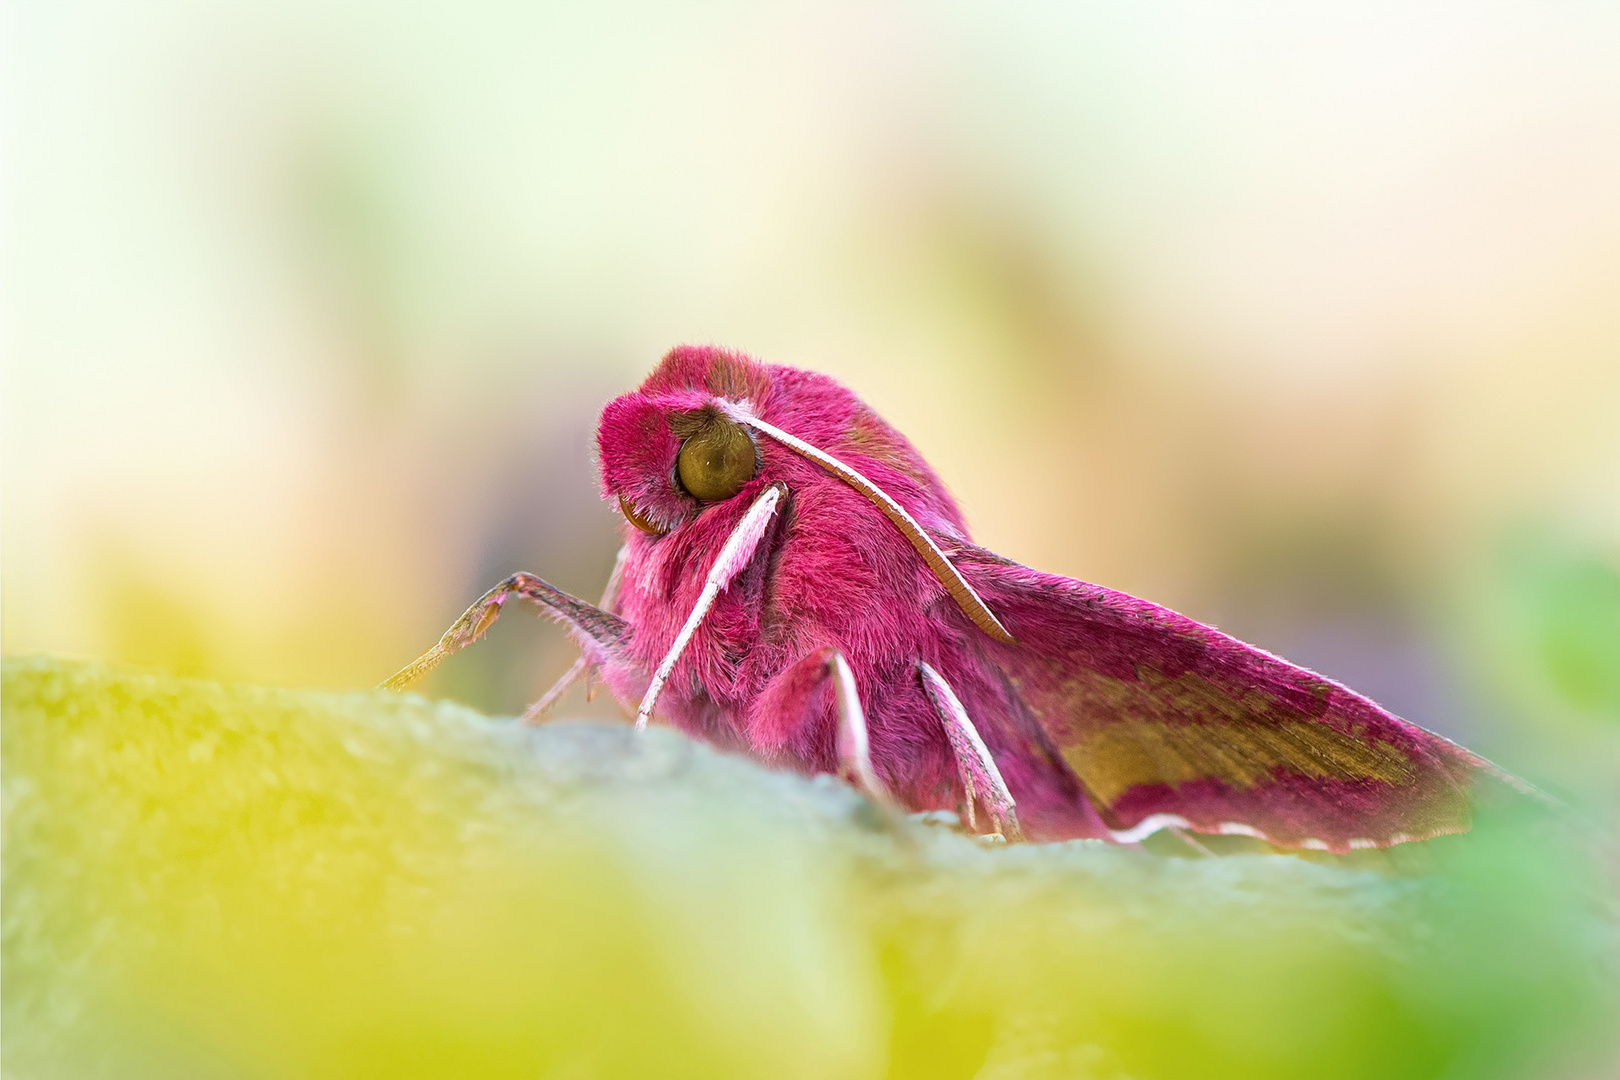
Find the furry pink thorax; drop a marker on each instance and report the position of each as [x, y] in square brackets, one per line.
[832, 572]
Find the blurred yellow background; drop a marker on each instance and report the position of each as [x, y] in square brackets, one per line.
[1302, 320]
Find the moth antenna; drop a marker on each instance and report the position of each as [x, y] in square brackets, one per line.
[734, 555]
[610, 591]
[972, 605]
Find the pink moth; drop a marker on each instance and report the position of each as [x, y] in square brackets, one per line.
[797, 585]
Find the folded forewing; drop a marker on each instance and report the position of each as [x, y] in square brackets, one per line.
[1168, 722]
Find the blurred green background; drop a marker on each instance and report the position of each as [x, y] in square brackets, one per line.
[1300, 319]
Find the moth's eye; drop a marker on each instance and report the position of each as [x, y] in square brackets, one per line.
[717, 461]
[628, 509]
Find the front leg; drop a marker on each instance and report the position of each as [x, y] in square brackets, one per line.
[536, 713]
[794, 700]
[605, 633]
[582, 668]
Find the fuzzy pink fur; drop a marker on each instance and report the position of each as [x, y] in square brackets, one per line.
[832, 572]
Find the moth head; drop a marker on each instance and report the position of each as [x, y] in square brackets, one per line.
[690, 437]
[684, 440]
[667, 456]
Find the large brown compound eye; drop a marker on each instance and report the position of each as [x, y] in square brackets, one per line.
[716, 461]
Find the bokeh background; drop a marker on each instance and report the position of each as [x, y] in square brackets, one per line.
[1304, 320]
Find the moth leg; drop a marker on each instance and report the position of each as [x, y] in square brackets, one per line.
[604, 633]
[1187, 838]
[582, 667]
[535, 713]
[792, 701]
[981, 780]
[854, 747]
[734, 556]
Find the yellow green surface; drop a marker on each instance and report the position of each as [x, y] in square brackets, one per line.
[205, 880]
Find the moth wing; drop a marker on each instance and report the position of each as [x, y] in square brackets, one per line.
[1166, 721]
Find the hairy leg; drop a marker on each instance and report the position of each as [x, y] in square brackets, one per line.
[582, 668]
[981, 780]
[536, 712]
[794, 699]
[854, 747]
[1187, 838]
[605, 633]
[734, 555]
